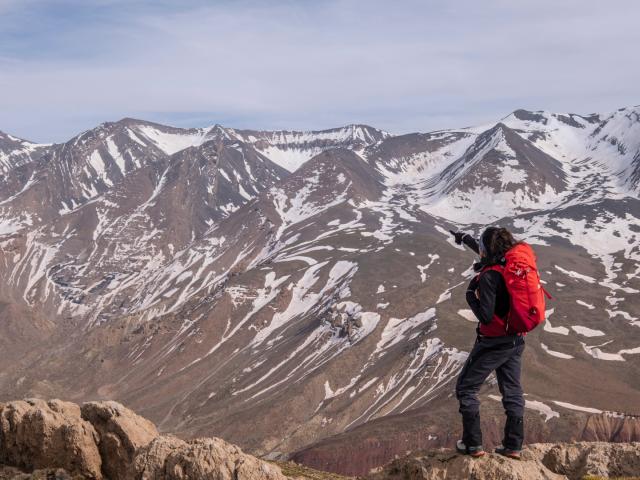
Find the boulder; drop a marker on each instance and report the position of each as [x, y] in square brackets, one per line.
[60, 440]
[169, 458]
[121, 434]
[543, 461]
[445, 464]
[581, 459]
[37, 434]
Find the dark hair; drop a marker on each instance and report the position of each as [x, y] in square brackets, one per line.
[497, 241]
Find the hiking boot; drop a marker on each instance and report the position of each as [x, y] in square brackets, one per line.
[513, 432]
[475, 451]
[507, 452]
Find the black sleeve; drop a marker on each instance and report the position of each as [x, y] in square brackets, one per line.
[471, 242]
[484, 307]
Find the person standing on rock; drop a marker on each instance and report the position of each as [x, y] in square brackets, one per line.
[496, 348]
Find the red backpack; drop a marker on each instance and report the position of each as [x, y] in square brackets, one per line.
[520, 273]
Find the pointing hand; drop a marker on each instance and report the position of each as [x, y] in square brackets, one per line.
[458, 236]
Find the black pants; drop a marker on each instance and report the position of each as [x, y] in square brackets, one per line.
[504, 356]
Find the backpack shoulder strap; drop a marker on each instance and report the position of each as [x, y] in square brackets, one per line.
[495, 268]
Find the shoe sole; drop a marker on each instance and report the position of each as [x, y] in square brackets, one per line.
[472, 455]
[512, 457]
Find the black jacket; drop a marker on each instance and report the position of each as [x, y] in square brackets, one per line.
[494, 297]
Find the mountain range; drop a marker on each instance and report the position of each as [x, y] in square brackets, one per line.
[299, 293]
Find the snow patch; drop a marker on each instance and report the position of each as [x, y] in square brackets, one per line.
[587, 332]
[554, 353]
[467, 315]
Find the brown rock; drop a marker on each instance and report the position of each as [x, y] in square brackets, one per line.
[11, 473]
[39, 434]
[445, 464]
[543, 461]
[121, 434]
[169, 458]
[577, 460]
[150, 461]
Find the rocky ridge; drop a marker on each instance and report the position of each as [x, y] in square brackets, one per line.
[104, 440]
[540, 461]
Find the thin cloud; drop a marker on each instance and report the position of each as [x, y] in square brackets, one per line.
[402, 66]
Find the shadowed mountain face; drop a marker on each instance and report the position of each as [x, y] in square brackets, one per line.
[300, 292]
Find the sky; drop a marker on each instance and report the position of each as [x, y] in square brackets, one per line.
[402, 65]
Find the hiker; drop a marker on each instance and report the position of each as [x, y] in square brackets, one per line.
[499, 344]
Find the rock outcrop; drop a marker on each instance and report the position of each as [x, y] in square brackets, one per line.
[169, 458]
[356, 451]
[541, 461]
[440, 465]
[121, 434]
[56, 440]
[105, 440]
[36, 434]
[602, 459]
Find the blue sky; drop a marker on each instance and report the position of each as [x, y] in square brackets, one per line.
[68, 65]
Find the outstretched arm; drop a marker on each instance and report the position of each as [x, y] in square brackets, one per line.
[468, 240]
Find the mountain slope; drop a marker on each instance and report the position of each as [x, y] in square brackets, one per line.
[498, 175]
[188, 273]
[15, 152]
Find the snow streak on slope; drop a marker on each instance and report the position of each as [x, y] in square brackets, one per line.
[603, 236]
[172, 142]
[291, 149]
[491, 181]
[15, 152]
[602, 150]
